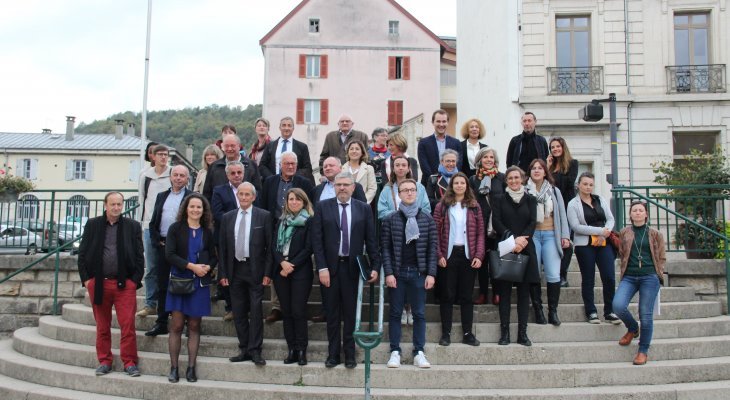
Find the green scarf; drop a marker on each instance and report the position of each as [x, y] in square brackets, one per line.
[286, 228]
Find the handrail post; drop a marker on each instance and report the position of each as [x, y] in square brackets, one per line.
[55, 283]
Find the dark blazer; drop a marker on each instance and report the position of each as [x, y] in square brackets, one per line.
[326, 235]
[267, 198]
[515, 149]
[464, 165]
[358, 194]
[332, 146]
[259, 245]
[566, 182]
[267, 165]
[485, 202]
[392, 238]
[519, 219]
[130, 253]
[428, 155]
[223, 201]
[217, 175]
[155, 235]
[435, 189]
[176, 246]
[300, 253]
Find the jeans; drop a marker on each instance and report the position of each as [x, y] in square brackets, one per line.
[648, 288]
[410, 288]
[547, 254]
[588, 257]
[152, 258]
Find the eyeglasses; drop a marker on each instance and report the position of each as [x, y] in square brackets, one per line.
[638, 201]
[342, 185]
[413, 190]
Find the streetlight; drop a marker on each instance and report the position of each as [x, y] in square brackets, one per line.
[593, 112]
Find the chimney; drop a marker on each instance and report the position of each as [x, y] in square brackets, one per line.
[46, 130]
[189, 152]
[119, 129]
[130, 129]
[70, 128]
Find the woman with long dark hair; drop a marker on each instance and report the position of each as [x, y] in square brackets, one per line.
[564, 169]
[190, 250]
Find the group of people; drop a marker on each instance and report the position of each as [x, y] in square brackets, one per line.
[256, 219]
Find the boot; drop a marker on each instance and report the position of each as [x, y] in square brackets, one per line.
[522, 335]
[504, 338]
[536, 295]
[302, 357]
[553, 295]
[291, 357]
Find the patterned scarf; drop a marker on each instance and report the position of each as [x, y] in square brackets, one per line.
[255, 148]
[286, 228]
[544, 199]
[485, 176]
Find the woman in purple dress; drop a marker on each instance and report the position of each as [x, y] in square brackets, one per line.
[190, 251]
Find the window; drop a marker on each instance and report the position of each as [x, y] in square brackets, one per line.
[79, 170]
[313, 66]
[399, 68]
[314, 25]
[691, 39]
[312, 111]
[77, 208]
[448, 77]
[27, 168]
[393, 28]
[685, 142]
[27, 208]
[395, 112]
[573, 41]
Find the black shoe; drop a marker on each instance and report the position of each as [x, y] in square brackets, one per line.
[258, 360]
[157, 329]
[350, 363]
[445, 339]
[291, 357]
[553, 317]
[470, 339]
[504, 337]
[331, 362]
[564, 283]
[522, 337]
[190, 375]
[302, 357]
[539, 315]
[173, 377]
[241, 357]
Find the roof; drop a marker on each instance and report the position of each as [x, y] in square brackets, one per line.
[51, 141]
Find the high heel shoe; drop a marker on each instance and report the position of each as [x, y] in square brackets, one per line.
[190, 374]
[173, 377]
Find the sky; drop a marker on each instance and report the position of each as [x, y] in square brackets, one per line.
[86, 57]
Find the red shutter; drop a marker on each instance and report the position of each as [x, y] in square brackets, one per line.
[300, 111]
[324, 111]
[323, 66]
[399, 112]
[406, 68]
[391, 113]
[302, 65]
[391, 67]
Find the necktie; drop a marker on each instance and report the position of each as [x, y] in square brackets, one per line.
[241, 242]
[283, 146]
[345, 231]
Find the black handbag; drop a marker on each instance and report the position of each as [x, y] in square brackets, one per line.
[178, 285]
[510, 267]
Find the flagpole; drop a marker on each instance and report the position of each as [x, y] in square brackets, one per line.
[143, 145]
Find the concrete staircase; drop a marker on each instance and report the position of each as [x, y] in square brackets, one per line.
[689, 359]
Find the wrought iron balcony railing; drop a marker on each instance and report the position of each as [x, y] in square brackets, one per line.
[575, 80]
[696, 78]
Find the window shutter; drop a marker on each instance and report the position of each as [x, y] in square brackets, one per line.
[89, 170]
[391, 67]
[134, 170]
[323, 66]
[302, 66]
[391, 113]
[399, 112]
[18, 168]
[406, 68]
[69, 170]
[324, 111]
[300, 111]
[33, 168]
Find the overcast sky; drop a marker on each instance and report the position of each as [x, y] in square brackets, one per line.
[86, 57]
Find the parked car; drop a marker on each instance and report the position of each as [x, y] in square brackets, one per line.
[16, 236]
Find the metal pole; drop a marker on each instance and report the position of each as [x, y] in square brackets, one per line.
[614, 146]
[143, 135]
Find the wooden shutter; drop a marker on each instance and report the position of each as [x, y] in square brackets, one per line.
[324, 111]
[406, 66]
[395, 112]
[391, 67]
[302, 65]
[300, 111]
[391, 113]
[323, 66]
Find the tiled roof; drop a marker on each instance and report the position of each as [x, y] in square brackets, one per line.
[41, 141]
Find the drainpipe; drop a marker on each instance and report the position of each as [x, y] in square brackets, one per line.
[626, 45]
[631, 143]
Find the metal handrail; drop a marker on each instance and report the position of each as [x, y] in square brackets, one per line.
[370, 339]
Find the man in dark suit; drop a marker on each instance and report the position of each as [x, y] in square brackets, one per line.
[335, 142]
[342, 229]
[217, 171]
[271, 159]
[528, 145]
[273, 195]
[431, 147]
[164, 214]
[224, 200]
[246, 265]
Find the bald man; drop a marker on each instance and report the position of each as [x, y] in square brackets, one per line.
[231, 145]
[335, 141]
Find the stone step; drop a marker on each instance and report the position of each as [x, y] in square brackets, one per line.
[548, 352]
[30, 343]
[14, 389]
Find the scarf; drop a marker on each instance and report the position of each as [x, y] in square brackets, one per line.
[516, 195]
[286, 228]
[544, 199]
[410, 211]
[255, 148]
[445, 173]
[379, 149]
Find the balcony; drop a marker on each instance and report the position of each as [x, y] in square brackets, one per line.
[575, 80]
[696, 78]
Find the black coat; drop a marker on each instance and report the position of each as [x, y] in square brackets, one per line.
[155, 235]
[519, 219]
[267, 165]
[267, 198]
[464, 164]
[358, 194]
[300, 253]
[176, 246]
[566, 182]
[514, 150]
[217, 175]
[392, 238]
[259, 244]
[498, 186]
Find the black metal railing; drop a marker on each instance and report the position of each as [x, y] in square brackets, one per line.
[708, 78]
[575, 80]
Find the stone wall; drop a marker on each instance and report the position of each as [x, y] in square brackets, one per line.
[706, 276]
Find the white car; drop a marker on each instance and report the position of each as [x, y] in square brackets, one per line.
[15, 236]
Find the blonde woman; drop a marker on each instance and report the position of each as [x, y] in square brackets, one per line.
[357, 164]
[210, 154]
[472, 132]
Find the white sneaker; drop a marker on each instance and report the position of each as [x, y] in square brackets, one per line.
[420, 361]
[394, 361]
[409, 318]
[404, 318]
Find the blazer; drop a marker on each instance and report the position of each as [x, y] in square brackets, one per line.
[392, 238]
[485, 202]
[577, 221]
[130, 253]
[267, 197]
[566, 182]
[515, 149]
[267, 163]
[259, 245]
[300, 253]
[155, 235]
[428, 154]
[519, 219]
[326, 235]
[386, 204]
[176, 246]
[223, 201]
[475, 232]
[366, 178]
[358, 194]
[465, 168]
[217, 175]
[334, 148]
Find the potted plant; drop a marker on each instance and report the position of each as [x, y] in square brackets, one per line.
[11, 186]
